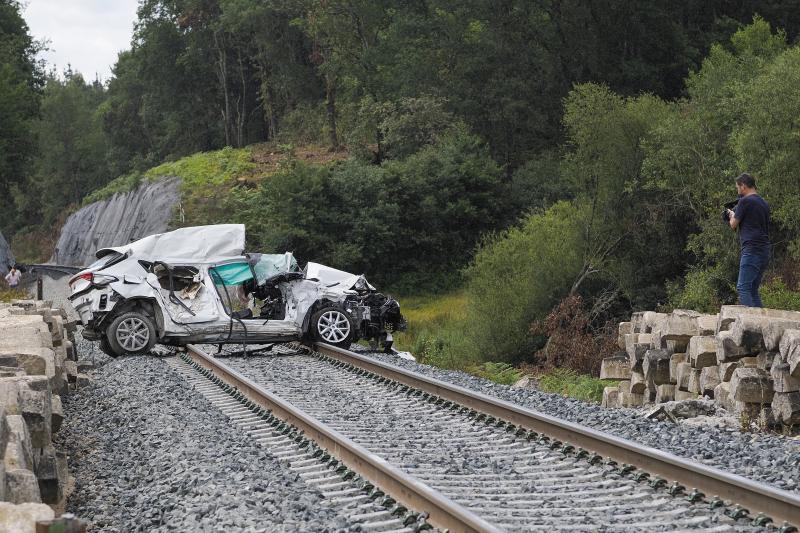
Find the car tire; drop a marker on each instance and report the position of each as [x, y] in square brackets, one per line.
[131, 333]
[105, 347]
[332, 325]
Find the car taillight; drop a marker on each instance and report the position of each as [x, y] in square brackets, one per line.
[86, 276]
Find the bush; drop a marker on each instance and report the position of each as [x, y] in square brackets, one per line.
[776, 295]
[569, 383]
[517, 276]
[572, 340]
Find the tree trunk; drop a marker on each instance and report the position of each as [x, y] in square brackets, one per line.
[330, 93]
[222, 73]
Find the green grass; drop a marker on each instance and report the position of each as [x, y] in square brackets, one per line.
[570, 383]
[7, 294]
[200, 173]
[502, 373]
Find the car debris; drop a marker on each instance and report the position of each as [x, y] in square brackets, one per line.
[197, 285]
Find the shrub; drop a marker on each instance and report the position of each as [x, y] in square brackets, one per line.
[517, 276]
[776, 295]
[501, 373]
[572, 341]
[570, 383]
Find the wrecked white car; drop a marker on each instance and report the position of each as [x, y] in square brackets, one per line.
[196, 285]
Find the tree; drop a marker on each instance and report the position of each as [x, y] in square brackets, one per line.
[20, 86]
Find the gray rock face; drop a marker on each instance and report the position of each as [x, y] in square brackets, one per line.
[6, 257]
[118, 220]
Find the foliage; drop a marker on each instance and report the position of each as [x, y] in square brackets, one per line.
[21, 79]
[411, 222]
[776, 295]
[567, 382]
[501, 373]
[427, 315]
[7, 294]
[72, 147]
[573, 342]
[517, 276]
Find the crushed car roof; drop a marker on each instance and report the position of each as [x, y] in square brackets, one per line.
[196, 244]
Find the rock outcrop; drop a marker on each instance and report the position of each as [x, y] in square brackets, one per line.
[118, 220]
[6, 257]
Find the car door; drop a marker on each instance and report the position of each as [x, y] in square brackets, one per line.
[234, 283]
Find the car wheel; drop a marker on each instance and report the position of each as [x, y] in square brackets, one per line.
[331, 325]
[105, 347]
[131, 334]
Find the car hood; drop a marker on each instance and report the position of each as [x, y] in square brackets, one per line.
[333, 277]
[196, 244]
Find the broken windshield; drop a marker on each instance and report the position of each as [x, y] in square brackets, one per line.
[269, 265]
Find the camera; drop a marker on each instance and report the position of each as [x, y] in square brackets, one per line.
[730, 205]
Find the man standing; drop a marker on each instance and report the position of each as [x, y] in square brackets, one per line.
[751, 218]
[13, 277]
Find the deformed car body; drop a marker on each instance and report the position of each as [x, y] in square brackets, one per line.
[196, 285]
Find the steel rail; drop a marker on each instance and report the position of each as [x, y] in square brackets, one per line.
[443, 512]
[780, 505]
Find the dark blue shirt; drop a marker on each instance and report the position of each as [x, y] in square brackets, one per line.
[752, 212]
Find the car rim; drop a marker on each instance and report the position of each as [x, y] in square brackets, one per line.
[333, 326]
[133, 334]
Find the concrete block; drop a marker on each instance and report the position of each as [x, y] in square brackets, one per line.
[650, 392]
[728, 350]
[665, 393]
[83, 381]
[636, 345]
[707, 324]
[748, 362]
[47, 474]
[624, 385]
[674, 359]
[656, 367]
[610, 397]
[786, 408]
[709, 379]
[56, 413]
[35, 408]
[747, 332]
[765, 359]
[722, 396]
[22, 518]
[703, 351]
[726, 370]
[625, 328]
[682, 396]
[772, 331]
[71, 368]
[638, 383]
[682, 375]
[22, 486]
[617, 367]
[694, 380]
[85, 366]
[72, 355]
[750, 410]
[729, 313]
[751, 385]
[653, 321]
[631, 400]
[782, 379]
[18, 451]
[790, 350]
[637, 322]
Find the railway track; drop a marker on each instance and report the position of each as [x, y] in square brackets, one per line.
[405, 451]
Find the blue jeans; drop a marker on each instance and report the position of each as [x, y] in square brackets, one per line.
[751, 269]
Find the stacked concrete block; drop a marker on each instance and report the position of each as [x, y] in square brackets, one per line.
[37, 363]
[747, 359]
[615, 368]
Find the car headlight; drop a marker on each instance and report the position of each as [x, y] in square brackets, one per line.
[360, 284]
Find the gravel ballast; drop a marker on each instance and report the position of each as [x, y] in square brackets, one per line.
[764, 457]
[148, 453]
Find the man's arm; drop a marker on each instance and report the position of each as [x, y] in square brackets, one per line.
[732, 220]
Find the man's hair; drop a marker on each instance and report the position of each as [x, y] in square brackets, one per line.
[747, 180]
